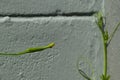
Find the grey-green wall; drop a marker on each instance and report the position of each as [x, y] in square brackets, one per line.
[112, 9]
[68, 23]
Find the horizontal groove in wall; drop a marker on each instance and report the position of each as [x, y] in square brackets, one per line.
[37, 19]
[23, 19]
[50, 14]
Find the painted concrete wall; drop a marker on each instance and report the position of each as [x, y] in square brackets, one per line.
[48, 6]
[76, 35]
[77, 40]
[112, 11]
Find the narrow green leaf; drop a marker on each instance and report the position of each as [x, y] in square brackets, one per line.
[84, 74]
[103, 77]
[113, 33]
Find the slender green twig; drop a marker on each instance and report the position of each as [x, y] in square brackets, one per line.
[106, 42]
[105, 37]
[100, 25]
[30, 50]
[84, 74]
[112, 35]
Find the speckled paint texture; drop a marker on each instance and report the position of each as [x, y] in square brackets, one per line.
[112, 11]
[48, 6]
[78, 44]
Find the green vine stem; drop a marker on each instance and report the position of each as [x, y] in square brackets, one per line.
[112, 35]
[106, 42]
[104, 33]
[30, 50]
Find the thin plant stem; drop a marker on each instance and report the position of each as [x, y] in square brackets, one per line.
[30, 50]
[105, 52]
[106, 42]
[112, 35]
[105, 59]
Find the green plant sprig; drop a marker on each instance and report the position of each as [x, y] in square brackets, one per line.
[106, 41]
[30, 50]
[105, 37]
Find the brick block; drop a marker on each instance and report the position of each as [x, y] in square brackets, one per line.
[48, 6]
[78, 45]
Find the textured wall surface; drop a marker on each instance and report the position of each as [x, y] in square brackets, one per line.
[77, 40]
[68, 23]
[112, 11]
[48, 6]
